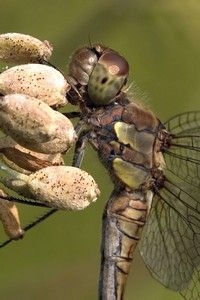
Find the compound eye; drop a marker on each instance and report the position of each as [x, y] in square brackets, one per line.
[82, 64]
[115, 63]
[107, 78]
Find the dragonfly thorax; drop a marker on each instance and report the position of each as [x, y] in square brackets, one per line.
[125, 141]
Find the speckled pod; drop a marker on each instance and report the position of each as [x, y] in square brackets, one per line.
[10, 218]
[23, 48]
[24, 160]
[36, 80]
[62, 187]
[34, 125]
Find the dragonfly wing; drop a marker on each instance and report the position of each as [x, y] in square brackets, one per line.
[183, 157]
[170, 244]
[183, 122]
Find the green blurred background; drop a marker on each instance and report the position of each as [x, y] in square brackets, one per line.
[161, 40]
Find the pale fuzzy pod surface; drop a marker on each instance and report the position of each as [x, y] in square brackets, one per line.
[34, 125]
[62, 187]
[9, 217]
[25, 160]
[23, 48]
[36, 80]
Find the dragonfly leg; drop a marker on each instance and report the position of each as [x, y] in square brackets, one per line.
[72, 114]
[80, 149]
[123, 220]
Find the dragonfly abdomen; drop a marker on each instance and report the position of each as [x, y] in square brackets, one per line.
[123, 221]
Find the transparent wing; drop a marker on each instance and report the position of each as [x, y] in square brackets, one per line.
[181, 123]
[183, 156]
[170, 244]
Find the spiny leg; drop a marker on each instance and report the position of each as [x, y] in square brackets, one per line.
[72, 114]
[80, 149]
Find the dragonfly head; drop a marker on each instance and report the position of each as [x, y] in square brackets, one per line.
[97, 74]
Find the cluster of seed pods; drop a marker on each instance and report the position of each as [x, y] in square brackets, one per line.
[36, 135]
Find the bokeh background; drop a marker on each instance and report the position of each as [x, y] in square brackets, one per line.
[161, 40]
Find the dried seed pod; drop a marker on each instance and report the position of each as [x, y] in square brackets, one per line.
[10, 218]
[24, 160]
[23, 48]
[36, 80]
[31, 122]
[62, 187]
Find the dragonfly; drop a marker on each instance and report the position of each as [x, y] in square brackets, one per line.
[155, 169]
